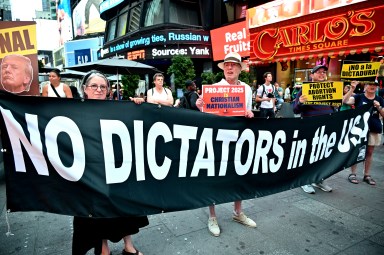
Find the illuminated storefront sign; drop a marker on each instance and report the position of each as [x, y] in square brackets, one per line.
[232, 38]
[319, 34]
[163, 38]
[137, 54]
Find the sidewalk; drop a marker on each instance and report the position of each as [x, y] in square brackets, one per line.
[350, 220]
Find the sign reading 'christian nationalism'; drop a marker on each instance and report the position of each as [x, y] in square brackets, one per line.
[224, 100]
[86, 158]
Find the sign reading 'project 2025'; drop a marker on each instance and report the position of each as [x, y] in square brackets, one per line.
[160, 38]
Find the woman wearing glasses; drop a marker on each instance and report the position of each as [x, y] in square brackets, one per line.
[94, 233]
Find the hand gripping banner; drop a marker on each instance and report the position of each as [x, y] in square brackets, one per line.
[116, 158]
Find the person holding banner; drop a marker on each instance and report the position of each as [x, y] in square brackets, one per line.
[16, 73]
[232, 67]
[95, 232]
[318, 74]
[55, 88]
[374, 124]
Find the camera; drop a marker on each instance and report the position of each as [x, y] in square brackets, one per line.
[270, 95]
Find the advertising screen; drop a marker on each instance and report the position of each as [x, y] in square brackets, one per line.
[86, 18]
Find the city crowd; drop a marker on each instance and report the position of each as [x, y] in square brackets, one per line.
[268, 98]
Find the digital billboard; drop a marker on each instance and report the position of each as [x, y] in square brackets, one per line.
[86, 18]
[63, 11]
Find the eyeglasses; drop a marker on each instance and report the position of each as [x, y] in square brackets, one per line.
[95, 87]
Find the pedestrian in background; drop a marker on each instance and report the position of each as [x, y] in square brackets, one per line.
[188, 100]
[287, 93]
[56, 88]
[278, 95]
[94, 233]
[158, 94]
[266, 97]
[318, 74]
[232, 67]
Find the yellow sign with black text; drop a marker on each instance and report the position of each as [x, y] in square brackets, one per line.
[18, 40]
[359, 70]
[324, 93]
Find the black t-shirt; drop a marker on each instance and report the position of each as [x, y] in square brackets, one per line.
[374, 122]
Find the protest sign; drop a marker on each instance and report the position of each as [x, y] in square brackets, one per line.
[359, 70]
[85, 158]
[224, 100]
[324, 93]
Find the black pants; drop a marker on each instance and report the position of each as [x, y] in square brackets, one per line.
[267, 113]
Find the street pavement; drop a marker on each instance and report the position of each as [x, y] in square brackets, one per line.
[349, 220]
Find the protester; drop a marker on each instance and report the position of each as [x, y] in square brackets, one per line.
[318, 74]
[278, 95]
[265, 96]
[232, 67]
[374, 123]
[159, 94]
[16, 73]
[95, 232]
[55, 88]
[188, 101]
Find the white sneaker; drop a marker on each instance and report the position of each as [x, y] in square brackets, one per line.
[213, 227]
[243, 219]
[321, 185]
[308, 189]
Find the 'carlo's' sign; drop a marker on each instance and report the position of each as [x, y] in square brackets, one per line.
[347, 30]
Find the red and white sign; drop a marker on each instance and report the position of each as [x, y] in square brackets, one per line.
[232, 38]
[224, 100]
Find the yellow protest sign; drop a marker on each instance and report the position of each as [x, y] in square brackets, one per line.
[18, 40]
[359, 70]
[325, 93]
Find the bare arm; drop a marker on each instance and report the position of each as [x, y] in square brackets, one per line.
[67, 91]
[45, 90]
[347, 99]
[168, 101]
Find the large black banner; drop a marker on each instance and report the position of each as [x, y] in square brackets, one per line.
[115, 158]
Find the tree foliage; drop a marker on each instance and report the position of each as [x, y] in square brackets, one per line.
[210, 78]
[183, 69]
[130, 84]
[207, 78]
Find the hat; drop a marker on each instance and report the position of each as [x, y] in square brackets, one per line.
[189, 83]
[232, 57]
[314, 70]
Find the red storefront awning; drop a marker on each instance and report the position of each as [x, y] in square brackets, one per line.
[333, 53]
